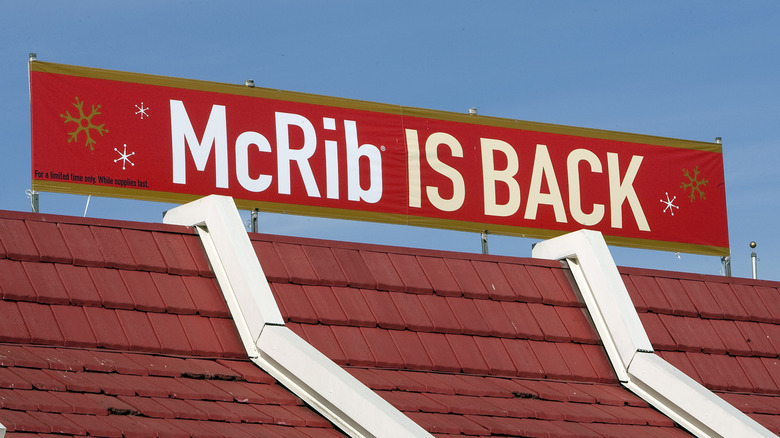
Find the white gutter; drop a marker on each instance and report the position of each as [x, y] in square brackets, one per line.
[329, 389]
[691, 405]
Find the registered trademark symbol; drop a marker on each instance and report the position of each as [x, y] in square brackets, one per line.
[382, 148]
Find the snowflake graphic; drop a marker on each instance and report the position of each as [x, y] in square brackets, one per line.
[669, 204]
[84, 123]
[694, 183]
[142, 111]
[124, 157]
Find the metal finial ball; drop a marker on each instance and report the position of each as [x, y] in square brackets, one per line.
[752, 244]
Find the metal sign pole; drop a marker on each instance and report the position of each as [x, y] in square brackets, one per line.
[253, 220]
[33, 195]
[753, 259]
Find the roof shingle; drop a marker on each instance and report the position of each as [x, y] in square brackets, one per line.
[112, 327]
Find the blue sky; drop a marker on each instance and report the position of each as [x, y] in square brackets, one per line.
[693, 70]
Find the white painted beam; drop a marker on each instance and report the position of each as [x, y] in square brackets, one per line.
[234, 263]
[353, 407]
[687, 402]
[603, 291]
[329, 389]
[691, 405]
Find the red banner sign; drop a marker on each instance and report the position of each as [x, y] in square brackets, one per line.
[148, 137]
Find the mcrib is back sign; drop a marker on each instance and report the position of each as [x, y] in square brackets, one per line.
[138, 136]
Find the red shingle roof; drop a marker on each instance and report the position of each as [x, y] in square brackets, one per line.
[721, 332]
[115, 327]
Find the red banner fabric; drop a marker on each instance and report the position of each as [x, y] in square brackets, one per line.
[147, 137]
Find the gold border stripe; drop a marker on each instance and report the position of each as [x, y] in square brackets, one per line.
[390, 218]
[291, 96]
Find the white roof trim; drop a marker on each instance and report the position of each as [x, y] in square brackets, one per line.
[2, 430]
[694, 407]
[309, 374]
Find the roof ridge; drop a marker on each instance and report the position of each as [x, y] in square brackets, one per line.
[391, 249]
[89, 221]
[679, 275]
